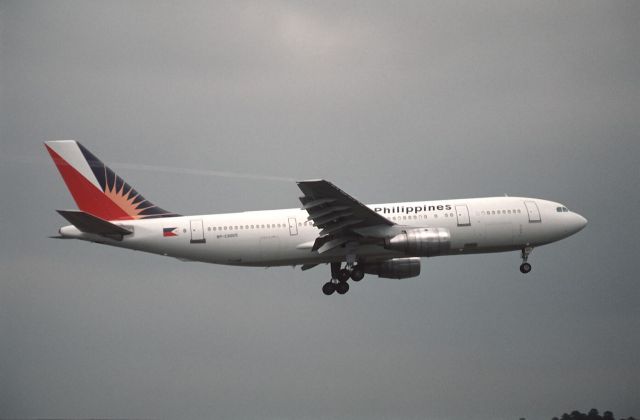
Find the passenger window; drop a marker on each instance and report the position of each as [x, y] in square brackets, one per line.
[509, 211]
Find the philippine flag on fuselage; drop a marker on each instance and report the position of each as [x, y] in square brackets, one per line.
[169, 231]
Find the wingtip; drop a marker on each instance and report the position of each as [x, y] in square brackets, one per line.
[305, 181]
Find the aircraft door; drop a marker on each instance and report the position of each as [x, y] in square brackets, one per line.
[197, 232]
[462, 212]
[533, 211]
[293, 227]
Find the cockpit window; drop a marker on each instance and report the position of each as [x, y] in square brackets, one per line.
[559, 209]
[565, 209]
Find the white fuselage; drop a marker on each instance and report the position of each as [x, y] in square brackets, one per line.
[285, 237]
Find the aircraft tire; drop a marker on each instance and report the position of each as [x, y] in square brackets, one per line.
[525, 268]
[342, 287]
[343, 275]
[357, 274]
[328, 288]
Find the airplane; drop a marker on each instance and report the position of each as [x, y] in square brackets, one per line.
[330, 227]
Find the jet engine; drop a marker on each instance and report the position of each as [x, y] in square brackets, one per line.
[422, 242]
[396, 268]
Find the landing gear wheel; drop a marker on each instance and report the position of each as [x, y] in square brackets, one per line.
[343, 275]
[328, 288]
[342, 287]
[525, 268]
[357, 274]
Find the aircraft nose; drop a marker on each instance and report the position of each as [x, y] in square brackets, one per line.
[579, 222]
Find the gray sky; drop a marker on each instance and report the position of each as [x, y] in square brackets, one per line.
[392, 101]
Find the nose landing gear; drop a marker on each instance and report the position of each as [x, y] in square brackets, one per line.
[525, 267]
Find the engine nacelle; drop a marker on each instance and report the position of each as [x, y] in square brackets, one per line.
[396, 268]
[422, 242]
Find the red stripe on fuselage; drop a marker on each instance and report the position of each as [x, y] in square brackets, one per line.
[87, 196]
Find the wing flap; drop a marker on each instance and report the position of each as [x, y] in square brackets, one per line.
[333, 243]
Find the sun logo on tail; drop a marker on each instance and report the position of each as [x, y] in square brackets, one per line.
[131, 202]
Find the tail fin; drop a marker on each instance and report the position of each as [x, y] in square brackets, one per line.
[95, 188]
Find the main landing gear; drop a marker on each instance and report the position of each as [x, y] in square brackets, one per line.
[340, 276]
[525, 267]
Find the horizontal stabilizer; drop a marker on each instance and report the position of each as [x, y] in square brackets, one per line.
[89, 223]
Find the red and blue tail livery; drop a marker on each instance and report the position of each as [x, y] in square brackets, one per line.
[95, 188]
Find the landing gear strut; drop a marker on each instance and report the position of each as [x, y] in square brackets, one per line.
[340, 276]
[525, 267]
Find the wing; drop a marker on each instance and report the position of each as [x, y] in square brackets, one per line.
[340, 216]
